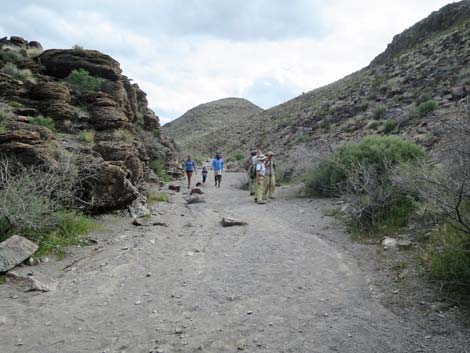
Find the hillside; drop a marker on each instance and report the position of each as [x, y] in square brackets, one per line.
[424, 69]
[71, 112]
[191, 129]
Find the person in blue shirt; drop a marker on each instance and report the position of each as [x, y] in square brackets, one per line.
[217, 167]
[189, 168]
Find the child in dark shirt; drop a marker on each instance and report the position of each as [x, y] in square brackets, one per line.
[204, 174]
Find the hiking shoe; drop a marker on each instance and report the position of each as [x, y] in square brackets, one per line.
[272, 197]
[260, 202]
[252, 193]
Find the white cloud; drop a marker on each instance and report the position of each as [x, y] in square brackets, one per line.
[223, 48]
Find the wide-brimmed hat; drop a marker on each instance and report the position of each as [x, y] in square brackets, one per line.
[270, 153]
[261, 157]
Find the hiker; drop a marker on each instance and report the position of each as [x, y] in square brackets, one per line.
[189, 168]
[204, 174]
[260, 179]
[250, 167]
[217, 167]
[270, 180]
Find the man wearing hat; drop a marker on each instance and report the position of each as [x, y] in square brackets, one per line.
[260, 178]
[270, 179]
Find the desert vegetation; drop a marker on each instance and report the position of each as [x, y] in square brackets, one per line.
[389, 182]
[22, 75]
[81, 81]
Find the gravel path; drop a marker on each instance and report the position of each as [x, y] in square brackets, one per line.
[280, 284]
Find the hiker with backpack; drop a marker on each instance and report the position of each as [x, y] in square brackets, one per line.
[217, 167]
[189, 168]
[250, 167]
[260, 179]
[270, 179]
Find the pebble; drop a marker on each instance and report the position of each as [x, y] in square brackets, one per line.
[178, 331]
[249, 312]
[138, 302]
[148, 274]
[14, 297]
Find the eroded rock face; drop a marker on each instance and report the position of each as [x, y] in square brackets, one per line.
[112, 132]
[61, 62]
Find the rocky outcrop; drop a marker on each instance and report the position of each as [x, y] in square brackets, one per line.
[112, 132]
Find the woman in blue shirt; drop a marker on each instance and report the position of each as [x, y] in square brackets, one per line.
[189, 168]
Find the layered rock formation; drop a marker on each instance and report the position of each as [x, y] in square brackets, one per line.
[111, 130]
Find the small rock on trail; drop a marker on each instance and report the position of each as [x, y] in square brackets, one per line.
[230, 222]
[14, 251]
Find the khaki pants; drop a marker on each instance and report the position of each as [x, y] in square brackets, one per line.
[270, 184]
[259, 189]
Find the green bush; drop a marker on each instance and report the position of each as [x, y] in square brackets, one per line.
[238, 156]
[86, 136]
[389, 126]
[17, 74]
[379, 112]
[449, 256]
[378, 152]
[426, 107]
[81, 81]
[43, 121]
[158, 169]
[9, 56]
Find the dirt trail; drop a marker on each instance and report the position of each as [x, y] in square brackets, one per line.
[280, 284]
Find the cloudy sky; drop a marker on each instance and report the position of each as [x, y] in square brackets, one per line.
[187, 52]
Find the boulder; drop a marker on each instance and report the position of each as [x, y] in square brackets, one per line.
[176, 188]
[404, 244]
[51, 91]
[61, 62]
[230, 222]
[389, 243]
[105, 112]
[195, 199]
[14, 251]
[32, 281]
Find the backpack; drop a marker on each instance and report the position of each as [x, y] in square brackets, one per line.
[247, 163]
[253, 171]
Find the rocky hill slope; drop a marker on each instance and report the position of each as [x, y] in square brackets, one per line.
[423, 73]
[191, 129]
[106, 130]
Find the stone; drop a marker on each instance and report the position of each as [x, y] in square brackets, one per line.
[230, 222]
[196, 191]
[195, 199]
[176, 188]
[32, 281]
[389, 243]
[404, 244]
[14, 251]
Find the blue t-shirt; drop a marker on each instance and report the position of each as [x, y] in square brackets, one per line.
[217, 164]
[189, 166]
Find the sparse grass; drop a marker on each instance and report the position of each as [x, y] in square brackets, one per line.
[154, 197]
[236, 157]
[157, 133]
[124, 135]
[81, 81]
[426, 107]
[87, 136]
[374, 125]
[16, 104]
[43, 121]
[17, 74]
[77, 47]
[3, 128]
[69, 230]
[159, 170]
[325, 124]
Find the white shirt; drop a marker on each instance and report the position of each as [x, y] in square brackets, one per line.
[260, 168]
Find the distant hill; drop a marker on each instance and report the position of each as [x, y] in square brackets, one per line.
[191, 129]
[424, 73]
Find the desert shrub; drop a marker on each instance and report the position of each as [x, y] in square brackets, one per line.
[9, 56]
[377, 152]
[77, 47]
[389, 126]
[43, 121]
[325, 124]
[124, 135]
[374, 125]
[86, 136]
[34, 52]
[15, 104]
[426, 107]
[158, 168]
[236, 157]
[154, 197]
[448, 254]
[34, 203]
[17, 74]
[379, 112]
[5, 113]
[81, 81]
